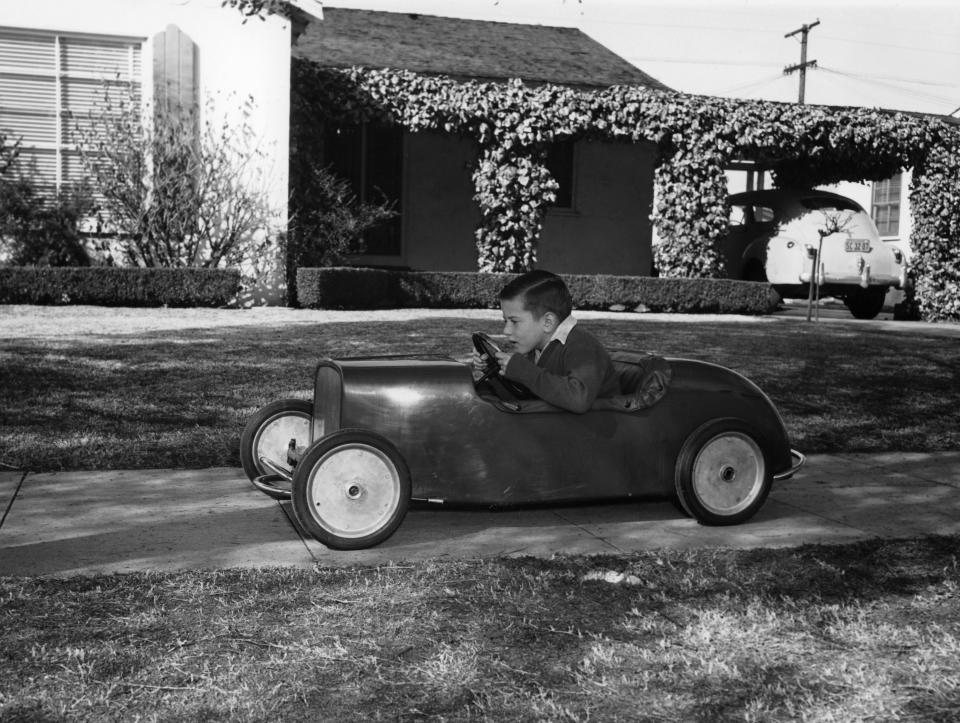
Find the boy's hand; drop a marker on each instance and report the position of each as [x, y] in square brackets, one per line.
[503, 359]
[479, 362]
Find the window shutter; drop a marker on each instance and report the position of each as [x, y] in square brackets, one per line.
[174, 70]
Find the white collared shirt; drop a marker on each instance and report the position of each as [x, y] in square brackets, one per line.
[559, 334]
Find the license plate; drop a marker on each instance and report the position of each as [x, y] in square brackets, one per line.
[857, 245]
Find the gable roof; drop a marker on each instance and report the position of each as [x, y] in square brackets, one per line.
[461, 48]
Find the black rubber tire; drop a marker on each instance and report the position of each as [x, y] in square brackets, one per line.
[722, 475]
[351, 490]
[866, 303]
[754, 271]
[265, 421]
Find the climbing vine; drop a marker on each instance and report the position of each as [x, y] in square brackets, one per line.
[696, 137]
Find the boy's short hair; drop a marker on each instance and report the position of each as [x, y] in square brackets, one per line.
[540, 291]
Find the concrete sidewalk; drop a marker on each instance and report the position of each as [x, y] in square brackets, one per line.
[122, 521]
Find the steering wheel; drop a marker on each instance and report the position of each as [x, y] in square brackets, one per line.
[505, 388]
[484, 345]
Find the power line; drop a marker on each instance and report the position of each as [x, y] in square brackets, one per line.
[900, 89]
[891, 45]
[745, 87]
[700, 61]
[867, 76]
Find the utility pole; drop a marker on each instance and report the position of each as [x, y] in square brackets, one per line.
[804, 63]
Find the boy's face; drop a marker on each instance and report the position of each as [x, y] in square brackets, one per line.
[523, 329]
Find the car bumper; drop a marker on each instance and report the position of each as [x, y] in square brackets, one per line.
[840, 271]
[797, 460]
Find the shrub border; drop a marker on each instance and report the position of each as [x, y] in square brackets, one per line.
[119, 286]
[364, 288]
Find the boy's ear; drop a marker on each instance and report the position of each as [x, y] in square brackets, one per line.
[549, 322]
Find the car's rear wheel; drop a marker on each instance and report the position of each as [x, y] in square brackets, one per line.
[268, 436]
[866, 303]
[754, 271]
[351, 490]
[722, 476]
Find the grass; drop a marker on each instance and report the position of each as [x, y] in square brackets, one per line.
[849, 633]
[88, 387]
[860, 632]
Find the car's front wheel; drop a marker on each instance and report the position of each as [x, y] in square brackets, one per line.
[866, 303]
[351, 490]
[722, 476]
[266, 441]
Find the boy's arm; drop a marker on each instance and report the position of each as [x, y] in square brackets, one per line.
[575, 389]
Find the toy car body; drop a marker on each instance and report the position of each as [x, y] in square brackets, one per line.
[384, 431]
[775, 235]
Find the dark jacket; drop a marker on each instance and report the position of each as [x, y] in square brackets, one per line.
[568, 375]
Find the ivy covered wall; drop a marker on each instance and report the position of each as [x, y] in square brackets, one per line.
[697, 137]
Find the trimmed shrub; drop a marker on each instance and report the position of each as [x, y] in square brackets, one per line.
[116, 286]
[37, 229]
[358, 288]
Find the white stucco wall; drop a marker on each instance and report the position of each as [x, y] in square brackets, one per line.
[235, 59]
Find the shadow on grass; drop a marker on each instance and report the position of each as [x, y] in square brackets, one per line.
[160, 399]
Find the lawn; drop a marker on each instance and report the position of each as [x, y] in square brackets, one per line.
[89, 387]
[862, 632]
[867, 631]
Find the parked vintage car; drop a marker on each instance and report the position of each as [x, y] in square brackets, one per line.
[775, 235]
[384, 431]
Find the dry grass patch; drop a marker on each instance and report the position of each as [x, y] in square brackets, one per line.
[860, 632]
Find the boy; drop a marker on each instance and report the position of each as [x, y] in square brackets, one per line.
[554, 358]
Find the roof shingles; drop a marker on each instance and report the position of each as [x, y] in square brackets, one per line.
[464, 49]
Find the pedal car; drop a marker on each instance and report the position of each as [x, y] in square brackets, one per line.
[384, 431]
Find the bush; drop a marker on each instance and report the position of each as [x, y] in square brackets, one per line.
[39, 226]
[183, 190]
[327, 220]
[114, 286]
[358, 288]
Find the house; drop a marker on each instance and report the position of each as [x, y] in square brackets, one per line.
[600, 222]
[56, 57]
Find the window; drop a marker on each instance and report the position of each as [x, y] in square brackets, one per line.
[886, 205]
[47, 82]
[738, 215]
[370, 157]
[748, 214]
[763, 214]
[560, 164]
[830, 204]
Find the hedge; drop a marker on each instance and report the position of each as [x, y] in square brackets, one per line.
[115, 286]
[361, 288]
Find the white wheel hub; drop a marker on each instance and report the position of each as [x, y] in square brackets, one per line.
[353, 490]
[729, 473]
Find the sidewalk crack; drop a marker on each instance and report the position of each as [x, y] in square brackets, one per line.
[12, 498]
[604, 540]
[296, 528]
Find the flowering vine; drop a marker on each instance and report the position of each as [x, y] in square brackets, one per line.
[696, 138]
